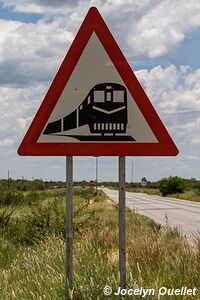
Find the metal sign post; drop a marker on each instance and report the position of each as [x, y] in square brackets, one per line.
[122, 237]
[97, 157]
[69, 226]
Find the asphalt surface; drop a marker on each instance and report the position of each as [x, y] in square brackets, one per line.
[166, 211]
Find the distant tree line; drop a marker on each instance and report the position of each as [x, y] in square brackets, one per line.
[170, 185]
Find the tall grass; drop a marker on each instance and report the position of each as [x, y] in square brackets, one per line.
[191, 195]
[156, 256]
[36, 273]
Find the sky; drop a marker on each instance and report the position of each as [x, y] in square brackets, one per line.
[159, 38]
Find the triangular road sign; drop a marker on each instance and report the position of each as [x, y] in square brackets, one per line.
[95, 105]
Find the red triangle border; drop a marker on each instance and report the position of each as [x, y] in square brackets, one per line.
[93, 22]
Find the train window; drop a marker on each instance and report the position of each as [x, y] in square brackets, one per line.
[118, 96]
[88, 100]
[108, 96]
[99, 96]
[81, 106]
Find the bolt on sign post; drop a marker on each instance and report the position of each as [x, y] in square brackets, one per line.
[95, 106]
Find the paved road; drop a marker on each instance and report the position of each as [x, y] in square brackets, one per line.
[178, 213]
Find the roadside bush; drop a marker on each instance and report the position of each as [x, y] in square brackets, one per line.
[46, 218]
[197, 188]
[9, 198]
[43, 220]
[16, 198]
[38, 185]
[172, 185]
[99, 196]
[85, 193]
[5, 218]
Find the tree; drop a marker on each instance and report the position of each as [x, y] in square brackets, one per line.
[38, 185]
[172, 185]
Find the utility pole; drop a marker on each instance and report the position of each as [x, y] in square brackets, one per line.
[22, 182]
[8, 179]
[131, 168]
[97, 165]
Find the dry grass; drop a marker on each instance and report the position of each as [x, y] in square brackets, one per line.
[36, 273]
[188, 195]
[155, 257]
[191, 195]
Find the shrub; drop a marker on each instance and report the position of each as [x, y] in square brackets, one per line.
[5, 218]
[172, 185]
[8, 198]
[41, 221]
[46, 218]
[17, 198]
[197, 188]
[38, 185]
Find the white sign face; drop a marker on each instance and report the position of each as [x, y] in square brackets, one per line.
[143, 182]
[95, 105]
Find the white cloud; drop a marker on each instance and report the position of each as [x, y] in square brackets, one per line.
[193, 157]
[21, 122]
[193, 80]
[18, 105]
[161, 29]
[162, 85]
[175, 94]
[146, 28]
[40, 6]
[196, 140]
[172, 89]
[6, 27]
[6, 142]
[32, 52]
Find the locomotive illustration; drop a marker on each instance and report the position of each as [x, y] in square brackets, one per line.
[104, 110]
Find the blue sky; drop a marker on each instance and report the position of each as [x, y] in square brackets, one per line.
[8, 14]
[186, 54]
[161, 41]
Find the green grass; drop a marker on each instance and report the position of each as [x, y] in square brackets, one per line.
[144, 190]
[188, 195]
[191, 195]
[36, 272]
[33, 264]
